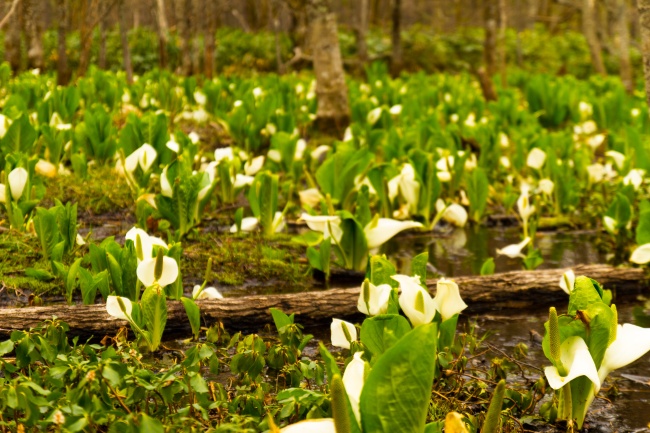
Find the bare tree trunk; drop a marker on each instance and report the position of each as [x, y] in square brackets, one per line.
[274, 20]
[33, 13]
[183, 8]
[103, 11]
[644, 24]
[195, 24]
[333, 113]
[124, 37]
[163, 32]
[361, 30]
[13, 52]
[62, 70]
[86, 12]
[501, 41]
[490, 43]
[622, 32]
[589, 31]
[208, 38]
[396, 58]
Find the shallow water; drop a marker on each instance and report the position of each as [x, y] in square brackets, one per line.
[627, 412]
[462, 251]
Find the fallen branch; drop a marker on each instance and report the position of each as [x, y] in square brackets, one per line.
[499, 293]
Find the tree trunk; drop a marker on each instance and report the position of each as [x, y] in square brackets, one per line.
[163, 32]
[361, 30]
[208, 38]
[62, 70]
[183, 9]
[490, 56]
[589, 31]
[622, 32]
[124, 38]
[396, 58]
[501, 41]
[644, 24]
[274, 21]
[103, 18]
[509, 291]
[87, 14]
[333, 113]
[33, 12]
[13, 53]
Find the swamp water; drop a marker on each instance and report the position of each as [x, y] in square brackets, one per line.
[459, 252]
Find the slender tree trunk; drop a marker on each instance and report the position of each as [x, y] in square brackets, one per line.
[183, 8]
[124, 37]
[274, 20]
[87, 13]
[589, 31]
[501, 42]
[195, 24]
[33, 12]
[622, 32]
[13, 53]
[62, 70]
[208, 38]
[333, 113]
[644, 24]
[396, 58]
[490, 43]
[361, 30]
[103, 10]
[163, 32]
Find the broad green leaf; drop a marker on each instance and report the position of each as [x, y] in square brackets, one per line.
[397, 391]
[193, 315]
[419, 266]
[154, 310]
[381, 332]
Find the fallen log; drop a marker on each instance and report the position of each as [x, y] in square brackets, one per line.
[498, 293]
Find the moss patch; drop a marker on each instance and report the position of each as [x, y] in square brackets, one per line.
[256, 264]
[18, 252]
[103, 192]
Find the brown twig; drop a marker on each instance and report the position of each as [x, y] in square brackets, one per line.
[11, 11]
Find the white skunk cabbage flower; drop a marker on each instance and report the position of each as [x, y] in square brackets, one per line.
[514, 250]
[148, 274]
[373, 300]
[415, 302]
[536, 158]
[17, 180]
[206, 293]
[343, 333]
[119, 307]
[454, 213]
[447, 300]
[381, 230]
[567, 281]
[576, 359]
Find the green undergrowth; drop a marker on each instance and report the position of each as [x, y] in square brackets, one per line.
[102, 192]
[18, 253]
[249, 260]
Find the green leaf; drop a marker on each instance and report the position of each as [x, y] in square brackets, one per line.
[154, 310]
[488, 267]
[419, 266]
[381, 271]
[397, 391]
[193, 315]
[643, 229]
[354, 244]
[381, 332]
[6, 347]
[280, 318]
[150, 425]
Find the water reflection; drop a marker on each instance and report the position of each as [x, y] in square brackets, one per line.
[463, 251]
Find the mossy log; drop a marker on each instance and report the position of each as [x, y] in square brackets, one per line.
[499, 293]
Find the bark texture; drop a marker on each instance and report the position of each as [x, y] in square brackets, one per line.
[333, 114]
[589, 30]
[62, 69]
[397, 60]
[622, 36]
[33, 11]
[361, 30]
[124, 38]
[12, 38]
[520, 290]
[644, 21]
